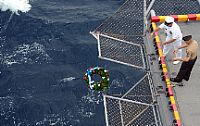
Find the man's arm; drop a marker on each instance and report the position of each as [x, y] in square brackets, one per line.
[168, 42]
[156, 30]
[184, 45]
[185, 59]
[161, 26]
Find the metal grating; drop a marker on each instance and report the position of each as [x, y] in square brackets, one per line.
[145, 119]
[128, 20]
[137, 39]
[141, 91]
[113, 111]
[129, 112]
[148, 2]
[135, 108]
[176, 7]
[120, 51]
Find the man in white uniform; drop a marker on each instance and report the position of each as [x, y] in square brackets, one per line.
[173, 37]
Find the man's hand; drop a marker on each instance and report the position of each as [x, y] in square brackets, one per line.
[175, 59]
[164, 43]
[175, 51]
[168, 42]
[151, 34]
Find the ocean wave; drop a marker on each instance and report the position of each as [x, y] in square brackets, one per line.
[67, 79]
[73, 11]
[25, 54]
[6, 105]
[7, 109]
[94, 97]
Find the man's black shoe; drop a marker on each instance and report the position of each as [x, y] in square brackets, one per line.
[174, 80]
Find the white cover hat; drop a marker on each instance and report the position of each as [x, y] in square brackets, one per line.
[169, 19]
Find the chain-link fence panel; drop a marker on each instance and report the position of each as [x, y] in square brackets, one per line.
[135, 108]
[128, 20]
[113, 112]
[137, 39]
[176, 7]
[141, 91]
[120, 51]
[147, 118]
[148, 2]
[129, 112]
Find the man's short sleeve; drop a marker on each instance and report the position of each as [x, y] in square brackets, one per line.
[161, 26]
[175, 35]
[189, 54]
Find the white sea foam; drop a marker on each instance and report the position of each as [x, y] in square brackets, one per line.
[92, 97]
[25, 54]
[6, 106]
[15, 6]
[67, 79]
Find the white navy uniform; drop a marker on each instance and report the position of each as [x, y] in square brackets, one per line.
[173, 32]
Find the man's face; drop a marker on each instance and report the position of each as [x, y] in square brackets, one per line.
[168, 24]
[187, 42]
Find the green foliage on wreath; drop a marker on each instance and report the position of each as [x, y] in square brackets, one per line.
[103, 83]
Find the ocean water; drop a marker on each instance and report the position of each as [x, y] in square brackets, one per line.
[43, 57]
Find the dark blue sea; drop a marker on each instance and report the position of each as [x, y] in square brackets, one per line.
[43, 56]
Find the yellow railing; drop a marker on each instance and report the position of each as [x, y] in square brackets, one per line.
[170, 94]
[179, 18]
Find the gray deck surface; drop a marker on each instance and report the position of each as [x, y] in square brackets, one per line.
[165, 115]
[188, 96]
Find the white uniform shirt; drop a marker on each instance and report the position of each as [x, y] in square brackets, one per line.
[173, 32]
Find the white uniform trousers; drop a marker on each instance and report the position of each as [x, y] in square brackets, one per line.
[176, 44]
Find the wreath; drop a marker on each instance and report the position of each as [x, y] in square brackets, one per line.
[102, 84]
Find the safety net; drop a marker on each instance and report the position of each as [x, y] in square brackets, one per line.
[121, 51]
[148, 3]
[176, 7]
[133, 108]
[128, 20]
[120, 37]
[141, 91]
